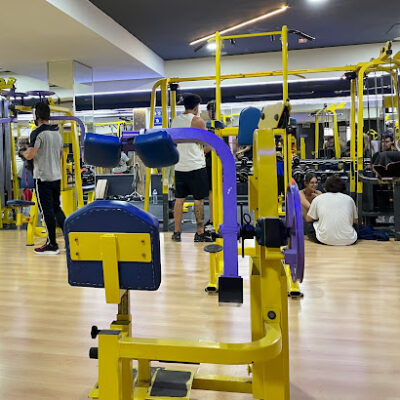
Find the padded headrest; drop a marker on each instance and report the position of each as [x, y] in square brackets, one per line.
[156, 149]
[248, 123]
[102, 150]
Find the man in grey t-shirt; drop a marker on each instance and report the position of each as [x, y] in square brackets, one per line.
[44, 149]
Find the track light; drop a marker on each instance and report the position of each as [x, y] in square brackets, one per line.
[243, 24]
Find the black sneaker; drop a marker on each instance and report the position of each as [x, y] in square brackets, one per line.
[202, 237]
[208, 227]
[47, 250]
[176, 237]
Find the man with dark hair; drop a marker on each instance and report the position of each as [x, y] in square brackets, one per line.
[44, 149]
[190, 172]
[387, 143]
[333, 215]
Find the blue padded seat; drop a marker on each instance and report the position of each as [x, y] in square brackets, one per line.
[114, 217]
[156, 149]
[20, 203]
[248, 123]
[102, 150]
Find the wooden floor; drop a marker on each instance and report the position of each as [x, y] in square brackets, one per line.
[344, 334]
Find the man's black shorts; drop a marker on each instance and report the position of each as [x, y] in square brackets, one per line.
[191, 182]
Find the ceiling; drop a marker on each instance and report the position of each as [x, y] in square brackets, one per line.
[56, 30]
[167, 27]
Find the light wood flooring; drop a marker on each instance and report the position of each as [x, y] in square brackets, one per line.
[344, 334]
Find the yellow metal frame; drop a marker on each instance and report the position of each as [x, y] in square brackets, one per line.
[118, 124]
[216, 259]
[384, 62]
[330, 111]
[267, 354]
[71, 195]
[6, 216]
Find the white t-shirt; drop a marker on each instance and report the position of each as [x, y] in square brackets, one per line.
[191, 155]
[334, 215]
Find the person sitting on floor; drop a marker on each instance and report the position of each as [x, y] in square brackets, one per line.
[307, 195]
[333, 215]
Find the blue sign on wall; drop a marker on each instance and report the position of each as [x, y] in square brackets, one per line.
[157, 117]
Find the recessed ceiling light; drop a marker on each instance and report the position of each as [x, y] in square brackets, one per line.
[316, 1]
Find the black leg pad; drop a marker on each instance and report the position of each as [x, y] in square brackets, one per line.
[230, 289]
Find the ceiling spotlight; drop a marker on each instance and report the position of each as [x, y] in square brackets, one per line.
[316, 1]
[211, 46]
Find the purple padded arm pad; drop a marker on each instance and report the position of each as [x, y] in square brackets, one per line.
[229, 228]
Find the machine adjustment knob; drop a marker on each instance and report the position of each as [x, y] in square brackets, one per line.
[94, 353]
[94, 332]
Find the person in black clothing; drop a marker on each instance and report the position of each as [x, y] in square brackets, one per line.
[44, 149]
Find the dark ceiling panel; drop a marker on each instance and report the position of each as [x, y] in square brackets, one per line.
[167, 27]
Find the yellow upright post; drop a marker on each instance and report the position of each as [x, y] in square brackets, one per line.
[396, 97]
[285, 63]
[77, 163]
[268, 285]
[353, 89]
[173, 103]
[217, 200]
[148, 170]
[360, 130]
[336, 135]
[302, 148]
[216, 259]
[285, 160]
[316, 149]
[164, 104]
[290, 156]
[285, 94]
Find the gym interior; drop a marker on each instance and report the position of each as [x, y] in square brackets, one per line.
[223, 200]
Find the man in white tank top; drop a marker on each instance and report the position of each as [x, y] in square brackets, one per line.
[190, 172]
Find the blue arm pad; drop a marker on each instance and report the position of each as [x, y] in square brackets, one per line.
[156, 149]
[102, 150]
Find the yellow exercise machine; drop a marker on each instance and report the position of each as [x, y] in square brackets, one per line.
[388, 63]
[71, 181]
[106, 248]
[325, 113]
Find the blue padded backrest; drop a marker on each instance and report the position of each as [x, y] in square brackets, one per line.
[156, 149]
[248, 123]
[114, 217]
[102, 150]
